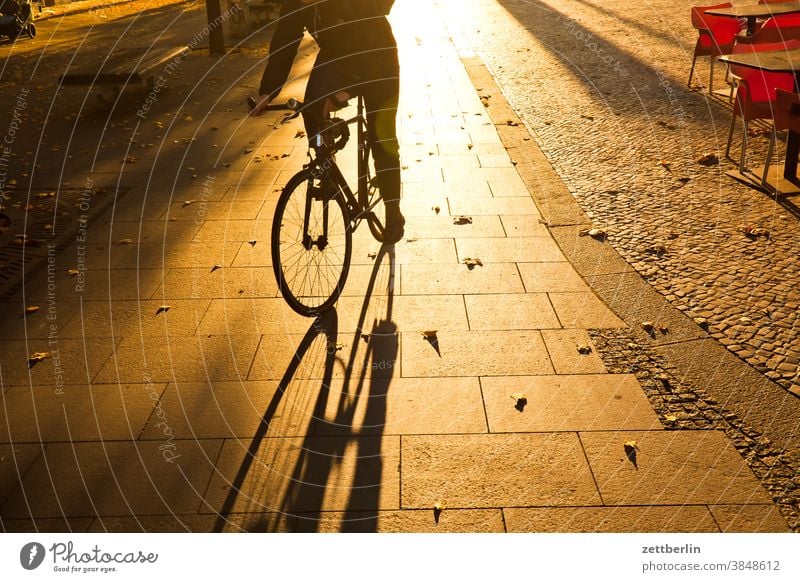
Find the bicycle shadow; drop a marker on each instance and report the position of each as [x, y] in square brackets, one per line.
[344, 437]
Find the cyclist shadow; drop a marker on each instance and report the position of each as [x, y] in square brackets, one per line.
[340, 459]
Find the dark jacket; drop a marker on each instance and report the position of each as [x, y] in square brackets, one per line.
[340, 38]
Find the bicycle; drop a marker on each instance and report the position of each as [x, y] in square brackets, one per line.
[317, 212]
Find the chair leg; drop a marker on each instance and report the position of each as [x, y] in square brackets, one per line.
[773, 137]
[730, 135]
[711, 78]
[744, 146]
[691, 72]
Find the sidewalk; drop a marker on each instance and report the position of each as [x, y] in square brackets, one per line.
[180, 393]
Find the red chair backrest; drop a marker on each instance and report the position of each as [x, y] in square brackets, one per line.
[762, 84]
[722, 28]
[782, 21]
[787, 110]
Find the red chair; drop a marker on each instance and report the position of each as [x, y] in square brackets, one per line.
[717, 35]
[787, 117]
[755, 91]
[776, 29]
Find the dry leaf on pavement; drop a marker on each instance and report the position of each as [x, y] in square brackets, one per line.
[31, 309]
[163, 309]
[461, 220]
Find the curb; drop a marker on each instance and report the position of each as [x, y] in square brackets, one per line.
[84, 9]
[701, 360]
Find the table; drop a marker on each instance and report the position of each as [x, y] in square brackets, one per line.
[752, 12]
[776, 62]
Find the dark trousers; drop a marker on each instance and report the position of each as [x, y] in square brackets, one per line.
[375, 74]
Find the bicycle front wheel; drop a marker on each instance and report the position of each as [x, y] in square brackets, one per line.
[311, 243]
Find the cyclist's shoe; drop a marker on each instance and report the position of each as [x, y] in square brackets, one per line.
[395, 223]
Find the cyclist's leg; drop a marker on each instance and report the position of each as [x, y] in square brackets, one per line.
[381, 98]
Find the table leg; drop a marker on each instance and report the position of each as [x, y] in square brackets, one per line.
[751, 25]
[792, 151]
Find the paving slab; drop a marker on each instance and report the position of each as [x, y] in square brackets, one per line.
[461, 279]
[475, 353]
[109, 319]
[54, 525]
[408, 313]
[510, 311]
[551, 278]
[15, 460]
[180, 255]
[101, 284]
[251, 317]
[293, 475]
[567, 403]
[583, 310]
[201, 410]
[401, 406]
[67, 361]
[525, 226]
[436, 190]
[749, 519]
[496, 471]
[484, 206]
[666, 519]
[76, 413]
[671, 468]
[48, 321]
[190, 523]
[114, 478]
[572, 351]
[444, 227]
[218, 283]
[419, 521]
[509, 250]
[179, 358]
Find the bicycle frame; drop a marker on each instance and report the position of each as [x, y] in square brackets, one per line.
[357, 204]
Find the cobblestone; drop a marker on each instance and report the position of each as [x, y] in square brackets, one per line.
[626, 139]
[681, 406]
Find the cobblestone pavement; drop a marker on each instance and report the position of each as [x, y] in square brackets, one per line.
[602, 85]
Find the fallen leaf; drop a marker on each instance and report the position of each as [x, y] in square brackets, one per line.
[372, 255]
[366, 337]
[648, 326]
[430, 335]
[163, 309]
[589, 117]
[438, 508]
[520, 400]
[461, 220]
[300, 134]
[708, 160]
[670, 418]
[666, 165]
[72, 272]
[187, 203]
[31, 309]
[631, 445]
[37, 357]
[663, 329]
[597, 233]
[126, 241]
[436, 209]
[472, 263]
[215, 267]
[584, 349]
[252, 243]
[665, 125]
[128, 160]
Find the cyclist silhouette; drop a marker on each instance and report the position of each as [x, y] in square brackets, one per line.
[357, 55]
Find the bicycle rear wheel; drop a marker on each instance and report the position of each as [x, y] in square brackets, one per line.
[311, 243]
